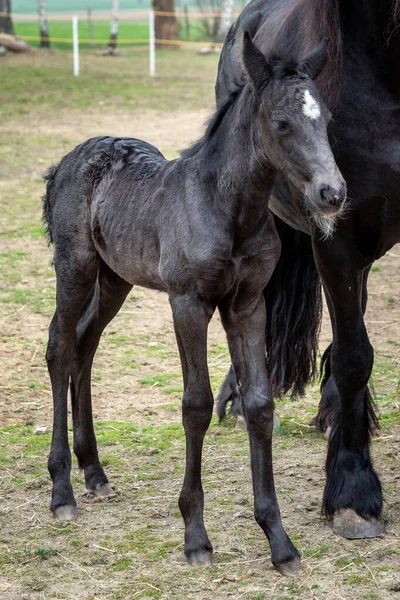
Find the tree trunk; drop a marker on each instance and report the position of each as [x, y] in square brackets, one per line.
[43, 25]
[225, 21]
[166, 26]
[112, 44]
[8, 40]
[6, 24]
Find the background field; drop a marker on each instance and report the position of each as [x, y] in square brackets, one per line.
[53, 6]
[131, 546]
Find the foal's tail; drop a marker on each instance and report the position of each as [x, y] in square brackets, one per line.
[294, 312]
[48, 202]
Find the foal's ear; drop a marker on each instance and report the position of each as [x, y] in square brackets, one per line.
[256, 65]
[313, 64]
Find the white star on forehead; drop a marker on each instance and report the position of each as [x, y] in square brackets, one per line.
[311, 107]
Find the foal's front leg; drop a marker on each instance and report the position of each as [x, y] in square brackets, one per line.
[191, 318]
[245, 329]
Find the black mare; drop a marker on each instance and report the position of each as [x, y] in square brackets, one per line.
[198, 228]
[361, 86]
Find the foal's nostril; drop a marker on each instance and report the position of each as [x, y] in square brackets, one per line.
[331, 196]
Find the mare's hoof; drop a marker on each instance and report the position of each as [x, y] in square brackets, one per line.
[102, 490]
[67, 512]
[290, 568]
[200, 559]
[348, 524]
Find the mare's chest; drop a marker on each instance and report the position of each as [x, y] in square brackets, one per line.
[366, 143]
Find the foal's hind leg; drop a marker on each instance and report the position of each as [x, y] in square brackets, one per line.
[191, 318]
[107, 298]
[245, 326]
[76, 270]
[108, 295]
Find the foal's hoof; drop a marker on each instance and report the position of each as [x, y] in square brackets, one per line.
[67, 512]
[200, 559]
[348, 524]
[241, 423]
[103, 490]
[290, 568]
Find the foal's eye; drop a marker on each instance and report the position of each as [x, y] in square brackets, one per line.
[280, 126]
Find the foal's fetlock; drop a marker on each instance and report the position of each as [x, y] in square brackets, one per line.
[284, 555]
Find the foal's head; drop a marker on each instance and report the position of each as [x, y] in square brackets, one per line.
[294, 123]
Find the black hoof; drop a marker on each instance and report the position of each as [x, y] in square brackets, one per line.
[102, 490]
[348, 524]
[202, 558]
[67, 512]
[290, 568]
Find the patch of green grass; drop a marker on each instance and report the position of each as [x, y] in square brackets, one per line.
[391, 301]
[58, 30]
[45, 553]
[48, 84]
[121, 564]
[163, 380]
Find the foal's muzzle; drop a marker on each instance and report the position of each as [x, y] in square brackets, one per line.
[332, 199]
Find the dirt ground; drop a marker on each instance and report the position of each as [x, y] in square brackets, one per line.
[137, 382]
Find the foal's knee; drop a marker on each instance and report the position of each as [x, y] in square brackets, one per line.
[197, 408]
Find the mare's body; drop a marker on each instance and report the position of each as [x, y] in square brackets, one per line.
[361, 85]
[198, 228]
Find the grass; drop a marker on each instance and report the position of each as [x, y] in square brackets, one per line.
[131, 546]
[47, 83]
[130, 33]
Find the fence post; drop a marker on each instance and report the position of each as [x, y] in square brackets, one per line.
[75, 45]
[152, 45]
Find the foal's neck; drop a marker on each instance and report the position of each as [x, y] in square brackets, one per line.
[235, 160]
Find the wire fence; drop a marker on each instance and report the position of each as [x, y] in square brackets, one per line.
[196, 29]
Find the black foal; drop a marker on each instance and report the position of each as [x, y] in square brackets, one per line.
[199, 229]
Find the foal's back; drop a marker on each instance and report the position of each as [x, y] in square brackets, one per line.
[106, 203]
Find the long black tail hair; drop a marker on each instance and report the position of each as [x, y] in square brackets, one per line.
[294, 311]
[293, 300]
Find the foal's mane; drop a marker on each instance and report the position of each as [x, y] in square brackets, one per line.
[212, 125]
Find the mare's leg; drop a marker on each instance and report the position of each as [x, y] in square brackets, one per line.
[76, 270]
[244, 323]
[191, 317]
[329, 405]
[353, 495]
[107, 297]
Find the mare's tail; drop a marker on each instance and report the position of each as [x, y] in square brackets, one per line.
[294, 311]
